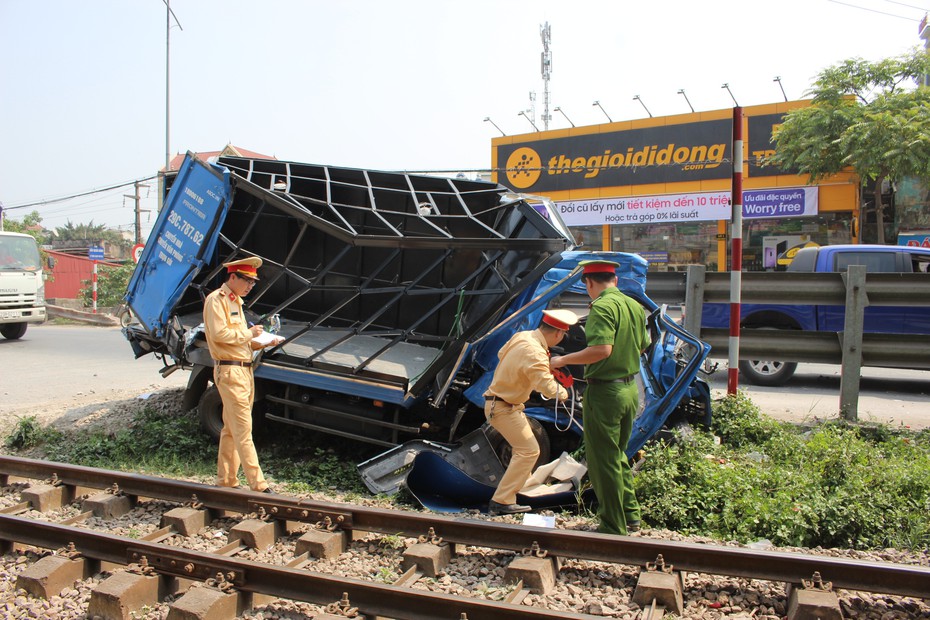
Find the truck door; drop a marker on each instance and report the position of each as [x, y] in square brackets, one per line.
[185, 232]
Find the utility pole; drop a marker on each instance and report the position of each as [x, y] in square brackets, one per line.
[139, 211]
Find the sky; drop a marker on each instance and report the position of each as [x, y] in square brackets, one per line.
[399, 85]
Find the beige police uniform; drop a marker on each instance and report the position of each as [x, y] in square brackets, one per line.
[230, 340]
[523, 367]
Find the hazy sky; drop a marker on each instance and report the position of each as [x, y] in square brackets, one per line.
[394, 85]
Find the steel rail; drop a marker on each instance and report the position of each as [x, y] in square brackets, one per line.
[373, 599]
[888, 578]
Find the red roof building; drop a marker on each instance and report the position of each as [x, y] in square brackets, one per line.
[229, 150]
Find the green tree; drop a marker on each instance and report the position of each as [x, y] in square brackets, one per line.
[111, 285]
[29, 225]
[864, 116]
[90, 234]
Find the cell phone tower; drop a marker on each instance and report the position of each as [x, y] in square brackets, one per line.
[546, 65]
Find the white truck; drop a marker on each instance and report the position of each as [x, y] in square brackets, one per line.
[22, 284]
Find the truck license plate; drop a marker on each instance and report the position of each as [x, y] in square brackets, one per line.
[9, 314]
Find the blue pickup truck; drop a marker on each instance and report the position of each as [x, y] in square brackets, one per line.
[806, 317]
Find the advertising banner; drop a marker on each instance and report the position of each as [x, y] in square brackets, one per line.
[780, 202]
[694, 207]
[646, 209]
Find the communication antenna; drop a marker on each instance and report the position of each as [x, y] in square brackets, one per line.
[546, 67]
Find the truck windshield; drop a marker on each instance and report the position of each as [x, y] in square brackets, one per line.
[19, 253]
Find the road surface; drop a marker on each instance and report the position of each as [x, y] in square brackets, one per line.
[72, 372]
[891, 396]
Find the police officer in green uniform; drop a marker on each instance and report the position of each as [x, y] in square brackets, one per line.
[616, 335]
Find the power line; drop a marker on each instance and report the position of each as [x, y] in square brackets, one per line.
[910, 6]
[49, 201]
[910, 19]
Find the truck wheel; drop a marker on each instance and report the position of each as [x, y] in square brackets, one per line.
[211, 412]
[13, 331]
[503, 450]
[767, 372]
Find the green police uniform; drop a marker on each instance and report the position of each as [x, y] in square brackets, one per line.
[611, 402]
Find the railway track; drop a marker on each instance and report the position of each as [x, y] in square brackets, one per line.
[648, 571]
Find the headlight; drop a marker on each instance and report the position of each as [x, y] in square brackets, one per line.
[40, 294]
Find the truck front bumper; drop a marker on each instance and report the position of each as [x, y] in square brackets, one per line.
[22, 315]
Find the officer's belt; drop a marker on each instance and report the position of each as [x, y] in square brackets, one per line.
[627, 379]
[492, 398]
[233, 363]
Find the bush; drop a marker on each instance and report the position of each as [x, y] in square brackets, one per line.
[834, 486]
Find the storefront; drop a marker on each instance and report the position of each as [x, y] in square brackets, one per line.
[661, 187]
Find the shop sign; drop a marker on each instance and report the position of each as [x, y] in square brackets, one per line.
[655, 257]
[919, 239]
[666, 154]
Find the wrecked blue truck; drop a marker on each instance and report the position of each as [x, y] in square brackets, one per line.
[394, 293]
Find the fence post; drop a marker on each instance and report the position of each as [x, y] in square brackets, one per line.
[851, 341]
[694, 298]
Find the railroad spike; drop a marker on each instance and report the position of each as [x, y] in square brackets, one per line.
[69, 552]
[535, 551]
[342, 607]
[816, 582]
[659, 565]
[431, 538]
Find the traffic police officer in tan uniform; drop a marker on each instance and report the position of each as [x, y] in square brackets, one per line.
[229, 338]
[523, 368]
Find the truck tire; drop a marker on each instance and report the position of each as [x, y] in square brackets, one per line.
[770, 373]
[13, 331]
[210, 410]
[502, 448]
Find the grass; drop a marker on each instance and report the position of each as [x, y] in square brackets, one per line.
[833, 486]
[749, 478]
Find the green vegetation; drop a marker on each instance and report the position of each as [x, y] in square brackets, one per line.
[833, 486]
[172, 444]
[751, 478]
[112, 283]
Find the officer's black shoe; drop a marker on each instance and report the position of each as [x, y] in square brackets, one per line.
[267, 490]
[632, 526]
[506, 509]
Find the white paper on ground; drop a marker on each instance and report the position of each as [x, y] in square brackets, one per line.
[535, 520]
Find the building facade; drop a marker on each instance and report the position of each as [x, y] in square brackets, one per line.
[661, 187]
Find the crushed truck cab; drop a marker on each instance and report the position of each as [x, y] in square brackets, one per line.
[393, 293]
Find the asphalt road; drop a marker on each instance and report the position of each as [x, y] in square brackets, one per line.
[891, 396]
[55, 369]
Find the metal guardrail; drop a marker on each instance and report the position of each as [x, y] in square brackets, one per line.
[851, 348]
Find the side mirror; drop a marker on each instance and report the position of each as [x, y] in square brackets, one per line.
[51, 262]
